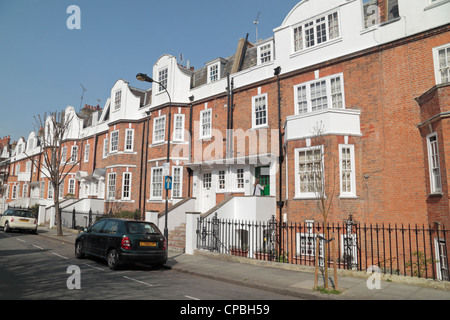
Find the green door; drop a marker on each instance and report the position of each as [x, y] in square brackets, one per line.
[262, 173]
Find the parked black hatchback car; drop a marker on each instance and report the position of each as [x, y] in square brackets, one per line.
[122, 241]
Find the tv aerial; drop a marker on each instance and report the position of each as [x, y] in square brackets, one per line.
[256, 22]
[82, 95]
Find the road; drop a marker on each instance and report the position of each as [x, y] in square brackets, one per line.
[37, 267]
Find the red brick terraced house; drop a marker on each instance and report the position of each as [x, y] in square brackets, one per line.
[372, 75]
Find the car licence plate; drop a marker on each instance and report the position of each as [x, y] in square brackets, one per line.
[23, 220]
[147, 244]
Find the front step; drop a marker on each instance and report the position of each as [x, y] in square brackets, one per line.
[177, 239]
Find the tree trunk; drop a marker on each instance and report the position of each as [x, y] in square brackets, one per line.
[59, 231]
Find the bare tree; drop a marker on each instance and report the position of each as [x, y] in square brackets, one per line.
[52, 130]
[324, 191]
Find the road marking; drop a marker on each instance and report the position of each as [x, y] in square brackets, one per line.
[94, 267]
[37, 247]
[189, 297]
[58, 255]
[18, 239]
[148, 284]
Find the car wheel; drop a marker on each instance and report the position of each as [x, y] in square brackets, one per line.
[113, 259]
[79, 250]
[6, 227]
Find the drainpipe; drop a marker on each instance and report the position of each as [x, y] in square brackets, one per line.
[191, 99]
[228, 117]
[280, 202]
[148, 113]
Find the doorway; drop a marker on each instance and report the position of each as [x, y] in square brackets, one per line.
[208, 198]
[263, 174]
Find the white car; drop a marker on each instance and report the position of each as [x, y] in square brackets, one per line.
[18, 219]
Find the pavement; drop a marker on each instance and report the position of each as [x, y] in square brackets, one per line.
[291, 280]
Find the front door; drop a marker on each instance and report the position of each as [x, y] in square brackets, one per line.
[263, 174]
[208, 197]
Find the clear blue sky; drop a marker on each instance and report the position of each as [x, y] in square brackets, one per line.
[42, 62]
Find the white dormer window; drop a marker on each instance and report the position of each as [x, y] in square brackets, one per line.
[265, 53]
[316, 32]
[162, 79]
[213, 72]
[117, 99]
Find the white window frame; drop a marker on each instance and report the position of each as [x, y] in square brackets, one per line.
[434, 164]
[42, 189]
[86, 152]
[205, 123]
[221, 180]
[307, 194]
[300, 32]
[61, 190]
[156, 131]
[207, 180]
[28, 166]
[214, 72]
[117, 99]
[177, 183]
[348, 171]
[64, 154]
[71, 186]
[437, 63]
[14, 192]
[105, 147]
[17, 169]
[163, 76]
[114, 142]
[265, 53]
[178, 131]
[25, 190]
[50, 191]
[129, 140]
[111, 186]
[126, 185]
[310, 98]
[238, 178]
[255, 101]
[74, 154]
[159, 184]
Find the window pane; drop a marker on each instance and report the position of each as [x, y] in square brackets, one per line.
[302, 100]
[111, 186]
[206, 123]
[162, 76]
[310, 171]
[126, 185]
[240, 178]
[319, 96]
[298, 39]
[176, 185]
[260, 111]
[336, 93]
[157, 183]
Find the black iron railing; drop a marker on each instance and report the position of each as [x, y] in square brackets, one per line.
[408, 250]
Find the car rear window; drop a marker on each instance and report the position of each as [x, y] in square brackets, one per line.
[25, 214]
[142, 227]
